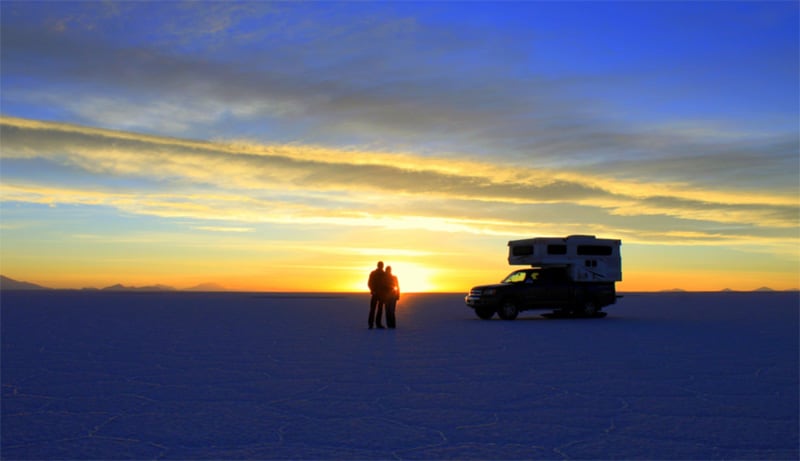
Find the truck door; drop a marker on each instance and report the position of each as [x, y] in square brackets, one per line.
[535, 289]
[557, 287]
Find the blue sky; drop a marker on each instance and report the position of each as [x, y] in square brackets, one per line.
[395, 127]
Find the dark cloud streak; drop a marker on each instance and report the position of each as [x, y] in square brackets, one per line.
[379, 80]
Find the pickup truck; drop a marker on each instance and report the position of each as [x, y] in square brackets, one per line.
[541, 288]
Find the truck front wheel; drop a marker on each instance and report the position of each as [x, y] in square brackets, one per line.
[485, 313]
[508, 310]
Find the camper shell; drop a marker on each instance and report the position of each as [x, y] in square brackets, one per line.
[586, 257]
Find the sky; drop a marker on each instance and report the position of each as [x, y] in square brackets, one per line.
[290, 146]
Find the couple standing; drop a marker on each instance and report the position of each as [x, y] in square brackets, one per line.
[385, 292]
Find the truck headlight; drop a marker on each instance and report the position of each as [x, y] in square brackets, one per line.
[489, 292]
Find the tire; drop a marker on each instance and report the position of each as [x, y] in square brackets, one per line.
[484, 312]
[508, 310]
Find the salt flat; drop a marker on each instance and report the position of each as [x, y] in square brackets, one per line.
[245, 375]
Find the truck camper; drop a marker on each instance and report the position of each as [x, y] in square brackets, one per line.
[587, 258]
[572, 276]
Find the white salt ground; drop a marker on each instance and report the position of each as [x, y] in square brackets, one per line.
[260, 376]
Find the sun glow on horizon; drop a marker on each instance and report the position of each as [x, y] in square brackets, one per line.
[412, 277]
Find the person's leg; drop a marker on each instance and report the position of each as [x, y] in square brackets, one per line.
[373, 302]
[390, 310]
[379, 314]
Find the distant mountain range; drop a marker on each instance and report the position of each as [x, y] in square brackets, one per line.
[762, 289]
[119, 287]
[207, 287]
[727, 290]
[11, 284]
[7, 283]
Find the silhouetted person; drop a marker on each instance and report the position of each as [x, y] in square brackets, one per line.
[377, 283]
[390, 297]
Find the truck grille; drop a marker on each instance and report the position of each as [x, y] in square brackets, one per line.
[475, 292]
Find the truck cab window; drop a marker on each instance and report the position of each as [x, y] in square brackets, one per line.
[520, 276]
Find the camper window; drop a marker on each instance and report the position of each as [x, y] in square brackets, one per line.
[522, 250]
[594, 250]
[556, 249]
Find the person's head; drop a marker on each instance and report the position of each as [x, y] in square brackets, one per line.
[380, 264]
[389, 270]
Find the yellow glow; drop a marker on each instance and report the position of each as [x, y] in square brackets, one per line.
[412, 278]
[311, 218]
[184, 160]
[699, 280]
[439, 275]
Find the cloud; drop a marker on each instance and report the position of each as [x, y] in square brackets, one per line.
[273, 168]
[295, 184]
[224, 229]
[385, 80]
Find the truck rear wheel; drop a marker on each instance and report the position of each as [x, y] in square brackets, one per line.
[484, 312]
[508, 310]
[589, 309]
